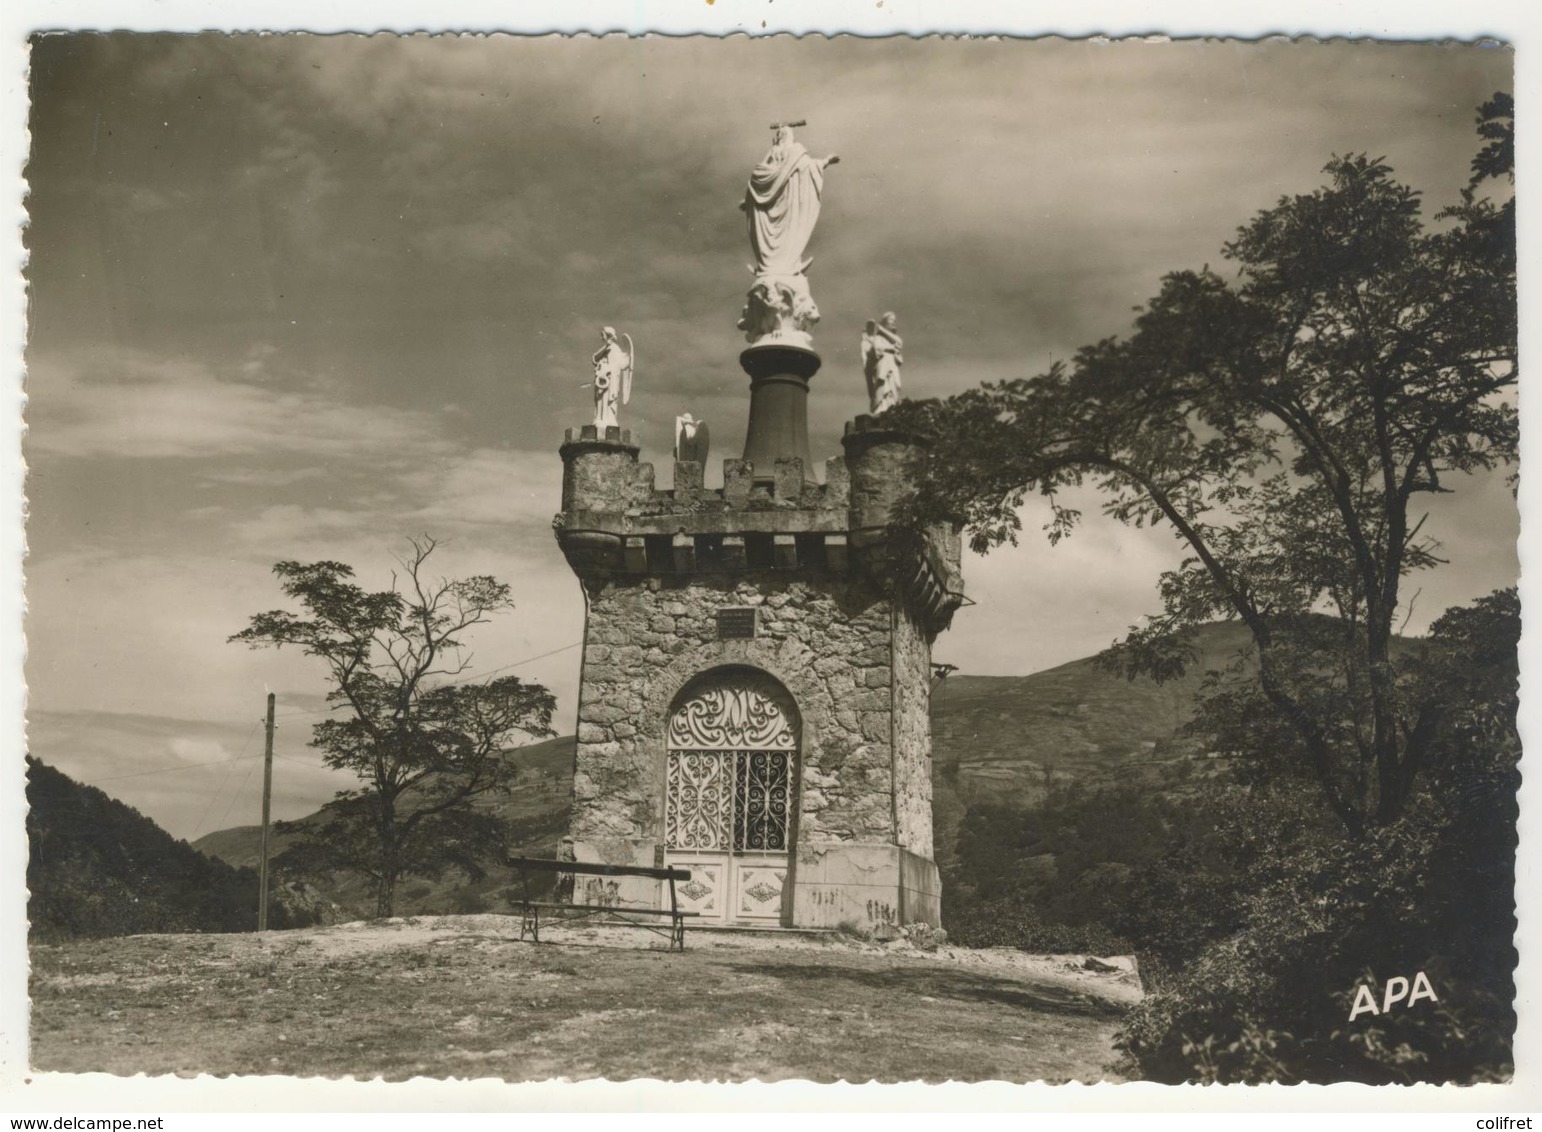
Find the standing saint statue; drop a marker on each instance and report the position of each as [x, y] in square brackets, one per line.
[781, 206]
[692, 439]
[612, 377]
[881, 361]
[781, 203]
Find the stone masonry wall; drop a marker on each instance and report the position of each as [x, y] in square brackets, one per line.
[912, 734]
[825, 638]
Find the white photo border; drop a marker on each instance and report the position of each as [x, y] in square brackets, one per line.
[1516, 23]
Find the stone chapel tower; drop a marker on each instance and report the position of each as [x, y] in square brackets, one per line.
[755, 688]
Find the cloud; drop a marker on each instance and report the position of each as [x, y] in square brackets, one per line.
[189, 775]
[301, 296]
[499, 498]
[146, 633]
[488, 487]
[267, 477]
[1036, 606]
[130, 403]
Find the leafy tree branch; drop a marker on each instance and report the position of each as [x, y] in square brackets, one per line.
[428, 752]
[1281, 419]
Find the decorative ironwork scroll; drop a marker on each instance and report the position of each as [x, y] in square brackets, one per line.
[698, 800]
[761, 787]
[741, 713]
[731, 762]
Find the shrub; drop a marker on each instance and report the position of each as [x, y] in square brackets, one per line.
[1400, 901]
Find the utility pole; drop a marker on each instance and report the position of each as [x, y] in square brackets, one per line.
[267, 800]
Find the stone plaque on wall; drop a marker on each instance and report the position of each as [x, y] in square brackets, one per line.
[735, 622]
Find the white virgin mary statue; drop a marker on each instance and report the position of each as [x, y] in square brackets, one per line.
[782, 204]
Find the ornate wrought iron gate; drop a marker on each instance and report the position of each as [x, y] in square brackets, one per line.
[729, 795]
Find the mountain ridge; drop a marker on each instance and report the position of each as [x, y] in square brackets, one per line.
[994, 738]
[97, 866]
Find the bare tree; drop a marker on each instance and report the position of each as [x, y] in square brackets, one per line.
[426, 745]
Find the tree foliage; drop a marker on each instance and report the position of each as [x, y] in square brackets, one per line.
[1496, 124]
[1284, 419]
[426, 748]
[1078, 870]
[1315, 915]
[96, 867]
[1254, 919]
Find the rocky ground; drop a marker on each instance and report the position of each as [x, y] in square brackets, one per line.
[462, 996]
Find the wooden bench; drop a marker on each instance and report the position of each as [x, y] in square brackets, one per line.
[530, 910]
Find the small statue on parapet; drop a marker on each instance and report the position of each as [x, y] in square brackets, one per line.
[612, 382]
[881, 361]
[691, 439]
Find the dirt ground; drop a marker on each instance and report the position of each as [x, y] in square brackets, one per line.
[462, 996]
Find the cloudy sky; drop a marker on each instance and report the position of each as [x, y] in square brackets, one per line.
[301, 297]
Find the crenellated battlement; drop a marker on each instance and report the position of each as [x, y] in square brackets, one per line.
[616, 522]
[604, 474]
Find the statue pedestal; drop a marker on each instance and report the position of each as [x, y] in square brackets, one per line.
[779, 376]
[779, 308]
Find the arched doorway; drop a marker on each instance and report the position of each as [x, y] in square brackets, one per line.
[730, 794]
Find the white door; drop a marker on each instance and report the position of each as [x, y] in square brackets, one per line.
[707, 892]
[728, 799]
[698, 822]
[762, 790]
[757, 888]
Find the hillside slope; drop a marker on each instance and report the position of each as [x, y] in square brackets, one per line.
[996, 738]
[96, 867]
[538, 809]
[1008, 738]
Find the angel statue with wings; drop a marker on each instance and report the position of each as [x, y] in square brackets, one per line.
[612, 383]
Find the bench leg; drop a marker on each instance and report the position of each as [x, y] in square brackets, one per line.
[530, 923]
[679, 933]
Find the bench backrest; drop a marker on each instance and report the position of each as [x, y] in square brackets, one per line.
[586, 868]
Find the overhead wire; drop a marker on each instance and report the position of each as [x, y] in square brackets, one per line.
[219, 789]
[236, 795]
[450, 684]
[224, 778]
[169, 769]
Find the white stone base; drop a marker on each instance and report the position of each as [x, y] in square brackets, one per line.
[863, 885]
[834, 883]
